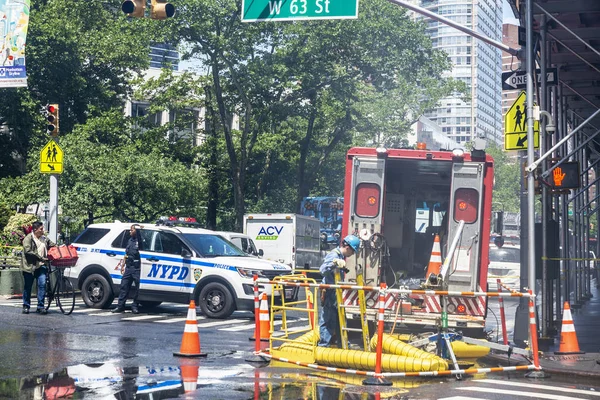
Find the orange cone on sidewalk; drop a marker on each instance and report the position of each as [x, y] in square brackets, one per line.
[435, 262]
[189, 376]
[568, 337]
[190, 343]
[264, 320]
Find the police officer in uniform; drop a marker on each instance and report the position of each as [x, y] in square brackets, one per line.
[329, 325]
[132, 271]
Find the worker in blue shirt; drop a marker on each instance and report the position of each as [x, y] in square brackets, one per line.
[329, 325]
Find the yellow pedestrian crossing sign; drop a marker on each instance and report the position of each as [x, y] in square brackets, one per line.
[51, 158]
[515, 126]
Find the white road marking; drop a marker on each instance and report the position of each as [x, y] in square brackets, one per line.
[86, 310]
[172, 320]
[252, 326]
[219, 323]
[540, 387]
[520, 393]
[140, 318]
[461, 398]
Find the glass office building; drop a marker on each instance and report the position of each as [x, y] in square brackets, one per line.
[476, 63]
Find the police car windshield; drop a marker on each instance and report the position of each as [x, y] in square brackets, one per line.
[213, 246]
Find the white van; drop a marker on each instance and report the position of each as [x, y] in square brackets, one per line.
[243, 242]
[178, 264]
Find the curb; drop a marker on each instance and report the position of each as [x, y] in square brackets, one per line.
[548, 368]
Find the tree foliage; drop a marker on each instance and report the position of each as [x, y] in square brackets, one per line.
[281, 104]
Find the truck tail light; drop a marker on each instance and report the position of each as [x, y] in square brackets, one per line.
[466, 201]
[367, 200]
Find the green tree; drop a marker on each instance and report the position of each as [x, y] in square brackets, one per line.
[507, 179]
[81, 55]
[306, 86]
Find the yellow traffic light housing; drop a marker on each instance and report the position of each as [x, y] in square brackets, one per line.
[161, 9]
[134, 8]
[52, 127]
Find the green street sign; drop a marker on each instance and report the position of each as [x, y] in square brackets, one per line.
[286, 10]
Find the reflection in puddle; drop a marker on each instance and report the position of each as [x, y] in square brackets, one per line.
[326, 386]
[94, 381]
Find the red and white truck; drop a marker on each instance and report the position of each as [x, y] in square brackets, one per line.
[384, 190]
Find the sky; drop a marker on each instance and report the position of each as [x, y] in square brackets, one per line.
[507, 16]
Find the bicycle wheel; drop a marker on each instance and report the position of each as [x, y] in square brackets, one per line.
[50, 289]
[65, 296]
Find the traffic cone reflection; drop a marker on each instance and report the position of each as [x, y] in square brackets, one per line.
[435, 262]
[568, 337]
[190, 343]
[189, 376]
[264, 320]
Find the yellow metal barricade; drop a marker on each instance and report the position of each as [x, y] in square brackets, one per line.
[285, 334]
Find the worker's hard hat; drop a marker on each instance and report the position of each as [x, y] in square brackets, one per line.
[353, 242]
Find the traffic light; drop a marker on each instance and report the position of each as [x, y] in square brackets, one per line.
[52, 119]
[565, 176]
[161, 9]
[134, 8]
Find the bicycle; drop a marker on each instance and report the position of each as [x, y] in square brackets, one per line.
[59, 289]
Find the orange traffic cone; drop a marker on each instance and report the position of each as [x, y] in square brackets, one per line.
[190, 343]
[189, 376]
[435, 262]
[265, 322]
[568, 337]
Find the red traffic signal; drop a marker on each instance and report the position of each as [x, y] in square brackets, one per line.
[52, 126]
[161, 9]
[134, 8]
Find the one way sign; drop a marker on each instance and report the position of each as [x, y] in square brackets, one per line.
[514, 80]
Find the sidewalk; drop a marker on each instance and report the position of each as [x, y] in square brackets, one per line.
[587, 327]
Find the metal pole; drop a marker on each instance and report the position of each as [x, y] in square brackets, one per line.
[577, 236]
[534, 165]
[543, 148]
[586, 229]
[453, 24]
[530, 150]
[53, 209]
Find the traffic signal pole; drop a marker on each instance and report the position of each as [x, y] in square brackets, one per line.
[53, 209]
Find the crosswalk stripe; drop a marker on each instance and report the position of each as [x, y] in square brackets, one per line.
[252, 326]
[172, 320]
[219, 323]
[540, 387]
[86, 310]
[461, 398]
[102, 314]
[497, 391]
[140, 318]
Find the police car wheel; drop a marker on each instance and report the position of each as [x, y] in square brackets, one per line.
[96, 292]
[216, 301]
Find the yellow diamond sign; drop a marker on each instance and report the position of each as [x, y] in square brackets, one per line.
[51, 158]
[515, 126]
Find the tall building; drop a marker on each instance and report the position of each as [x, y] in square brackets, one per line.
[164, 55]
[477, 64]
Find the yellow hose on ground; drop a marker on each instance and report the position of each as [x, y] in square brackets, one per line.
[392, 345]
[362, 360]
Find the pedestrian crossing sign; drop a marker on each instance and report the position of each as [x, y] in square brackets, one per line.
[51, 158]
[515, 126]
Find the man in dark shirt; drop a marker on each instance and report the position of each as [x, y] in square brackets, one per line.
[132, 271]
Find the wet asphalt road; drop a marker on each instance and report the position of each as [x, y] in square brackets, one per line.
[95, 354]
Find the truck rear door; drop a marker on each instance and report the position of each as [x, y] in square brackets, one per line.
[466, 205]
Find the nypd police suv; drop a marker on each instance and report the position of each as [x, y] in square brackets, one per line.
[178, 264]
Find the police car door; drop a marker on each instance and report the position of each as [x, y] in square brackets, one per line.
[163, 267]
